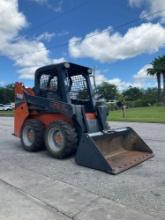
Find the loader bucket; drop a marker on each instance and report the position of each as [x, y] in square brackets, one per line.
[112, 151]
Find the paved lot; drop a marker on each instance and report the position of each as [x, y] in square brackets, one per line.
[35, 186]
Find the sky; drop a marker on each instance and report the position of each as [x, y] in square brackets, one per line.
[117, 38]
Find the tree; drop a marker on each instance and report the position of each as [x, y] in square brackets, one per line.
[107, 91]
[161, 67]
[83, 94]
[157, 70]
[132, 94]
[7, 94]
[149, 97]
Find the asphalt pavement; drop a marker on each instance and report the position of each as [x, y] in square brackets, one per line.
[36, 186]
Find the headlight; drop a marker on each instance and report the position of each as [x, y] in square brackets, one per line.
[89, 70]
[67, 65]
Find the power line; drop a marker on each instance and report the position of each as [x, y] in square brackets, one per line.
[54, 18]
[117, 27]
[29, 5]
[92, 35]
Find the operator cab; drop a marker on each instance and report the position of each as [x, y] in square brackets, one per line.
[65, 82]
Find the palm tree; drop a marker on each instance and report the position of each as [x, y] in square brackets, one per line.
[158, 69]
[164, 85]
[155, 71]
[162, 70]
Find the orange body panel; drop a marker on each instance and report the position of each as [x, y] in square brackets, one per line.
[90, 116]
[20, 89]
[21, 109]
[21, 114]
[48, 118]
[30, 91]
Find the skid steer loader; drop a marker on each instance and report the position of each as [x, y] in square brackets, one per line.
[60, 112]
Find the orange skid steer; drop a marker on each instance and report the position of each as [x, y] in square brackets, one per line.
[60, 112]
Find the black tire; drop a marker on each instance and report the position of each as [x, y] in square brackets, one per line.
[36, 142]
[66, 143]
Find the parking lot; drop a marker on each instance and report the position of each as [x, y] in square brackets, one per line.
[36, 186]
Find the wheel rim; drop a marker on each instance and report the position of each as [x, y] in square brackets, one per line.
[55, 139]
[28, 136]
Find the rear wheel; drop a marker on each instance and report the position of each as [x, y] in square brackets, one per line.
[32, 135]
[60, 139]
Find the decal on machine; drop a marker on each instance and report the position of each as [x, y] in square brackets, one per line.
[19, 96]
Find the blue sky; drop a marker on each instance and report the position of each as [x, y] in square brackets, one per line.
[32, 32]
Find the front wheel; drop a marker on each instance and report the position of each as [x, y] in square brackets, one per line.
[32, 135]
[60, 139]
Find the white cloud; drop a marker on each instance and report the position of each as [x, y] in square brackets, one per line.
[108, 46]
[12, 21]
[61, 34]
[152, 6]
[40, 1]
[28, 72]
[57, 7]
[139, 80]
[46, 36]
[100, 78]
[142, 73]
[27, 54]
[2, 83]
[143, 79]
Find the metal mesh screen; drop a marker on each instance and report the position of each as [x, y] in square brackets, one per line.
[44, 81]
[53, 83]
[79, 89]
[48, 83]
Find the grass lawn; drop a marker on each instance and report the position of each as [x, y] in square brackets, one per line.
[144, 114]
[6, 113]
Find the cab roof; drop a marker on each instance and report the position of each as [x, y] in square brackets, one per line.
[73, 69]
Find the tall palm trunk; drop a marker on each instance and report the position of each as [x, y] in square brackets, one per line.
[164, 87]
[158, 75]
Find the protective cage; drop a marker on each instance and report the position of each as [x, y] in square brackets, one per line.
[79, 88]
[113, 151]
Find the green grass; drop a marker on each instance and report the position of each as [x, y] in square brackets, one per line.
[6, 113]
[144, 114]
